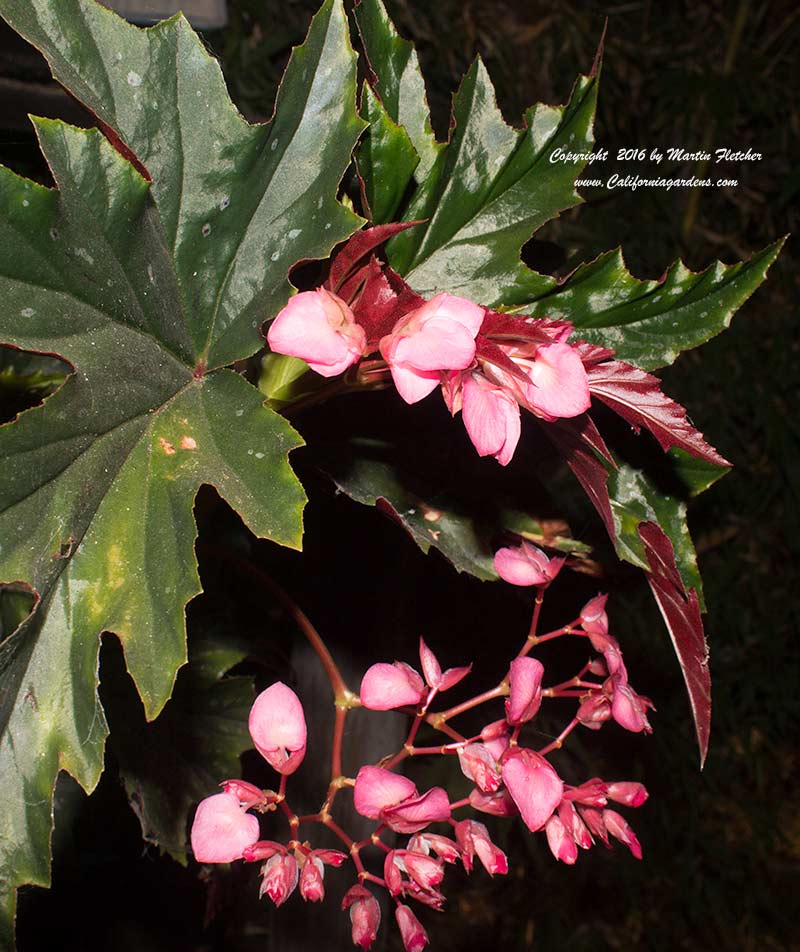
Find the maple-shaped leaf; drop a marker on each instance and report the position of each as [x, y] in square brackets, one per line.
[146, 289]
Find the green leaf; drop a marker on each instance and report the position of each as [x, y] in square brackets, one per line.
[460, 527]
[634, 499]
[488, 191]
[178, 759]
[649, 323]
[120, 278]
[698, 475]
[386, 160]
[239, 204]
[399, 84]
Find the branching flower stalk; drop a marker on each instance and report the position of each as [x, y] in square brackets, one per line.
[508, 778]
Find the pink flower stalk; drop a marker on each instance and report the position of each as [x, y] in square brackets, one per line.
[561, 844]
[278, 728]
[479, 764]
[525, 564]
[437, 337]
[280, 877]
[386, 686]
[382, 795]
[534, 785]
[628, 793]
[365, 915]
[491, 417]
[619, 829]
[221, 829]
[320, 328]
[434, 678]
[415, 938]
[473, 839]
[525, 690]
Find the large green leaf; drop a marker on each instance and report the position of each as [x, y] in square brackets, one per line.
[239, 204]
[649, 323]
[121, 279]
[488, 191]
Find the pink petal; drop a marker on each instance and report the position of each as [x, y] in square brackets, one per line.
[414, 385]
[491, 418]
[278, 727]
[479, 765]
[439, 345]
[376, 789]
[534, 785]
[496, 804]
[453, 676]
[628, 709]
[430, 665]
[628, 793]
[414, 814]
[414, 936]
[221, 830]
[386, 686]
[560, 387]
[525, 691]
[524, 564]
[561, 844]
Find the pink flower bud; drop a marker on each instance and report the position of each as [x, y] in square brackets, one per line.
[479, 765]
[386, 686]
[414, 936]
[535, 787]
[393, 873]
[594, 821]
[594, 619]
[262, 850]
[525, 690]
[594, 711]
[278, 728]
[526, 564]
[280, 878]
[311, 880]
[628, 709]
[426, 871]
[247, 794]
[497, 804]
[377, 789]
[221, 830]
[627, 792]
[494, 730]
[473, 838]
[561, 844]
[442, 846]
[491, 417]
[591, 793]
[320, 328]
[365, 915]
[436, 337]
[619, 829]
[574, 825]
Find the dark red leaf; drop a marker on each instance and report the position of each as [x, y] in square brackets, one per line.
[591, 354]
[487, 350]
[574, 439]
[637, 397]
[352, 253]
[537, 329]
[681, 613]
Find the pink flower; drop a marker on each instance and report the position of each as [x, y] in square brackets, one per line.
[320, 328]
[313, 872]
[365, 915]
[382, 795]
[432, 670]
[280, 877]
[247, 794]
[442, 846]
[535, 787]
[561, 844]
[628, 708]
[594, 711]
[386, 686]
[491, 417]
[221, 829]
[497, 804]
[479, 764]
[525, 564]
[628, 793]
[594, 619]
[278, 728]
[525, 690]
[559, 385]
[473, 838]
[415, 938]
[436, 337]
[619, 829]
[574, 825]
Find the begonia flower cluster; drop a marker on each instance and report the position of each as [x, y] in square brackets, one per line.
[419, 832]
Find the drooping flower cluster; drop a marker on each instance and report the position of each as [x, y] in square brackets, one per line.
[509, 778]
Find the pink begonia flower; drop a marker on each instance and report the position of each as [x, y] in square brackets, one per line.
[439, 336]
[574, 825]
[247, 794]
[473, 838]
[594, 711]
[313, 872]
[365, 915]
[556, 383]
[534, 785]
[262, 850]
[432, 670]
[479, 764]
[442, 846]
[618, 827]
[629, 793]
[221, 829]
[591, 793]
[415, 938]
[280, 877]
[424, 870]
[491, 417]
[525, 690]
[526, 564]
[497, 804]
[320, 328]
[628, 708]
[593, 819]
[386, 686]
[278, 728]
[416, 813]
[382, 795]
[594, 619]
[561, 844]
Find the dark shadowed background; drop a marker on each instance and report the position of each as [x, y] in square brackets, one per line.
[722, 847]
